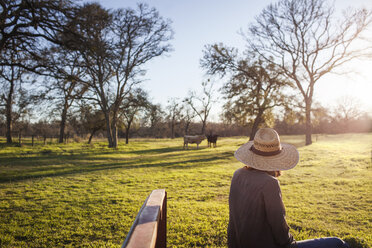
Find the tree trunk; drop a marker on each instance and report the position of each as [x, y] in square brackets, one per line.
[63, 123]
[9, 124]
[187, 128]
[127, 132]
[256, 123]
[66, 137]
[126, 135]
[114, 131]
[308, 125]
[108, 128]
[91, 136]
[172, 130]
[9, 114]
[203, 127]
[20, 138]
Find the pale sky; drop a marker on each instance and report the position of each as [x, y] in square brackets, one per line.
[200, 22]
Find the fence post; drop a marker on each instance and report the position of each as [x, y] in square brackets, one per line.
[149, 229]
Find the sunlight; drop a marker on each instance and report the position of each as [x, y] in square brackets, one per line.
[356, 82]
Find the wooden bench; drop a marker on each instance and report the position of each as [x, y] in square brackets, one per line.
[149, 229]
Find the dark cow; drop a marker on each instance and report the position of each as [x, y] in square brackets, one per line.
[212, 139]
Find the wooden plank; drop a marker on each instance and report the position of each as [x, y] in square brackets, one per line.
[146, 226]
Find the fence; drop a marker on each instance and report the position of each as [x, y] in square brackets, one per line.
[149, 229]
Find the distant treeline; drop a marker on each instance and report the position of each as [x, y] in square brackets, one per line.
[78, 131]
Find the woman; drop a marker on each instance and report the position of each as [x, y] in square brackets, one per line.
[257, 213]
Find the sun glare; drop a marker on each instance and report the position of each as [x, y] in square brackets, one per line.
[355, 80]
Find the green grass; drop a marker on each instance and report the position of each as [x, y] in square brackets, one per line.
[79, 195]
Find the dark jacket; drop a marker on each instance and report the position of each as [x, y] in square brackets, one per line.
[257, 214]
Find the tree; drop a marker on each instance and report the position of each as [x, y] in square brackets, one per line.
[114, 46]
[174, 115]
[345, 114]
[91, 119]
[347, 108]
[11, 77]
[320, 117]
[302, 39]
[254, 86]
[202, 104]
[136, 101]
[45, 128]
[27, 27]
[154, 119]
[187, 116]
[64, 87]
[29, 24]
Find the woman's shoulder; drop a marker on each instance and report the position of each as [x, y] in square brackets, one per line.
[255, 175]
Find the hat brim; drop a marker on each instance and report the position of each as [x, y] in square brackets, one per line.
[285, 160]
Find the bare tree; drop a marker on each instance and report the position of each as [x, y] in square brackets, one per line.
[347, 108]
[45, 128]
[255, 86]
[202, 103]
[320, 116]
[30, 24]
[115, 46]
[63, 84]
[303, 39]
[136, 101]
[26, 28]
[174, 109]
[91, 119]
[11, 76]
[92, 24]
[154, 119]
[188, 114]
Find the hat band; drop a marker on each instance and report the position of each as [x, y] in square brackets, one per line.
[261, 153]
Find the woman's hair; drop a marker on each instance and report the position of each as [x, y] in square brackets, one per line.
[272, 173]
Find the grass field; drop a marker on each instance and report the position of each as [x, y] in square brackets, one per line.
[80, 195]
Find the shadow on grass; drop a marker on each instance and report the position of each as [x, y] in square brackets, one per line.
[157, 151]
[4, 145]
[43, 170]
[167, 150]
[49, 157]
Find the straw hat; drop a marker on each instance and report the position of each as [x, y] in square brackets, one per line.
[267, 153]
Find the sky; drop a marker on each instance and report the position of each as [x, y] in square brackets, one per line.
[197, 23]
